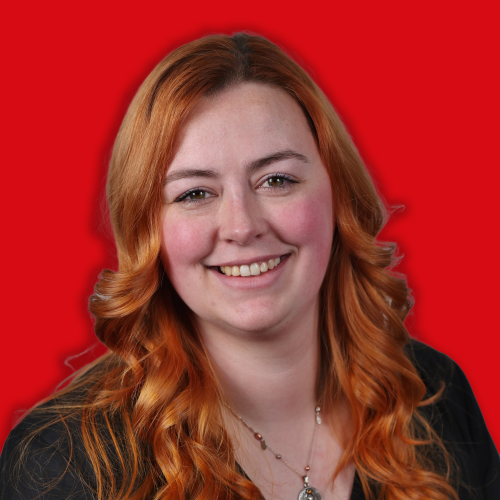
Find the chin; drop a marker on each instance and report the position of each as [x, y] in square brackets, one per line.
[253, 322]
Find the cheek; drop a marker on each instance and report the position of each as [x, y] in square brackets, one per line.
[184, 243]
[308, 223]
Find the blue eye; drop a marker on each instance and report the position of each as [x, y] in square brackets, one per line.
[194, 195]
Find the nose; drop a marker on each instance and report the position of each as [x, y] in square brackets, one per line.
[241, 219]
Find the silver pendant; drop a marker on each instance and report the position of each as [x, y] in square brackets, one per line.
[309, 493]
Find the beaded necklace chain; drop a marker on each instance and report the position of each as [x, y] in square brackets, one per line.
[308, 492]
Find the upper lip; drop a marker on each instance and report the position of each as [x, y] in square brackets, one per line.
[247, 262]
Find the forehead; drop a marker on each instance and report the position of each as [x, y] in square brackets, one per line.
[247, 120]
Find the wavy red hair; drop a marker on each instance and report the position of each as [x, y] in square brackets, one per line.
[152, 406]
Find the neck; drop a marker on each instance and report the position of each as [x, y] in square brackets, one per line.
[270, 377]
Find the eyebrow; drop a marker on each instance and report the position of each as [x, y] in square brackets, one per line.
[251, 167]
[286, 154]
[190, 172]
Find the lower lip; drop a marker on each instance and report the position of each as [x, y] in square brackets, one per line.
[263, 280]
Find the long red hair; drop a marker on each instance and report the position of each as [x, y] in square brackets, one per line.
[152, 405]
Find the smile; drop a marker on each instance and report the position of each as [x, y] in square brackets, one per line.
[253, 269]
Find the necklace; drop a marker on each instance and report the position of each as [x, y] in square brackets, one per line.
[308, 492]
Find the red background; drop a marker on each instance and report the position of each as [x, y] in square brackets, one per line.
[417, 84]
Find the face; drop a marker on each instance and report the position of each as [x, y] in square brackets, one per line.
[247, 189]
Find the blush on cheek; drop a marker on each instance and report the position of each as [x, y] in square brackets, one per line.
[309, 222]
[184, 243]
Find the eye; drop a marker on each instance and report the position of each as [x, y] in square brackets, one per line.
[277, 181]
[194, 195]
[274, 181]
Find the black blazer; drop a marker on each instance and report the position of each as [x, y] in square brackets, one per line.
[456, 417]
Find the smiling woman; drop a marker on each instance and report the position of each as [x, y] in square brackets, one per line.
[257, 346]
[261, 196]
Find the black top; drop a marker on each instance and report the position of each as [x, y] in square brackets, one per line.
[455, 416]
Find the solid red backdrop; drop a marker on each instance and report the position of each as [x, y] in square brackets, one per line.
[416, 84]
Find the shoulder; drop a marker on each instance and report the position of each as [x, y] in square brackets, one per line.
[437, 371]
[434, 367]
[457, 405]
[44, 459]
[457, 419]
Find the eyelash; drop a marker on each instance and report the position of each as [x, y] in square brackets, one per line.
[184, 197]
[279, 175]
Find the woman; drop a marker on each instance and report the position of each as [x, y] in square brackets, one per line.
[256, 336]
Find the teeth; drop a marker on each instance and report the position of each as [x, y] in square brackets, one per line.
[244, 270]
[253, 270]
